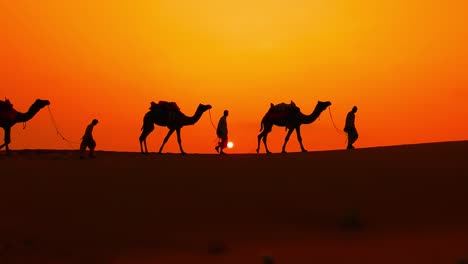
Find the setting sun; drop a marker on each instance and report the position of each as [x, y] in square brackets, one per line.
[230, 144]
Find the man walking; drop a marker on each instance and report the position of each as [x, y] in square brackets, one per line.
[222, 133]
[88, 140]
[350, 128]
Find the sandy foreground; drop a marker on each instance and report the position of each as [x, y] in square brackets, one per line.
[398, 204]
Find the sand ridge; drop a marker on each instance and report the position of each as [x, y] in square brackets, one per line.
[384, 204]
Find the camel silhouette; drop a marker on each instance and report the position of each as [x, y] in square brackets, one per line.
[173, 119]
[8, 120]
[290, 117]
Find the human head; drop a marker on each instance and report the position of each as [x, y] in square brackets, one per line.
[226, 112]
[354, 109]
[94, 122]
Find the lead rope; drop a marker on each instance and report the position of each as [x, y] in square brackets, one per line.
[212, 124]
[336, 128]
[54, 123]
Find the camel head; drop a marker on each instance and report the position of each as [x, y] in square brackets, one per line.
[323, 105]
[39, 104]
[203, 108]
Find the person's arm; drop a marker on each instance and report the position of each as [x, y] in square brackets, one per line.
[346, 127]
[222, 127]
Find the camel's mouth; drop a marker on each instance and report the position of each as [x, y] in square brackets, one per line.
[205, 107]
[40, 102]
[325, 104]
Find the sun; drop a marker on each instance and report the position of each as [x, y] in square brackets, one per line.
[230, 144]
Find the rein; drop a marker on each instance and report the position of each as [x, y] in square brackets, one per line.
[211, 120]
[54, 123]
[336, 128]
[333, 122]
[212, 124]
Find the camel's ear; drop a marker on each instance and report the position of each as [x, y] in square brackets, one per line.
[293, 103]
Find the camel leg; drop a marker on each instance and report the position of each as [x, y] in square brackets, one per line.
[166, 139]
[264, 135]
[179, 140]
[299, 138]
[286, 139]
[259, 137]
[7, 139]
[144, 134]
[265, 143]
[141, 144]
[143, 141]
[143, 147]
[146, 147]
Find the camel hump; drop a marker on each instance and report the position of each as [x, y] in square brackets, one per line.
[282, 110]
[165, 105]
[5, 105]
[7, 112]
[284, 107]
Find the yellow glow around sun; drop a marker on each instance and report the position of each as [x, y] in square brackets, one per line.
[230, 144]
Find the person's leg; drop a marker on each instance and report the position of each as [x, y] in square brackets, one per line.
[218, 144]
[92, 146]
[356, 136]
[82, 149]
[349, 146]
[223, 144]
[352, 137]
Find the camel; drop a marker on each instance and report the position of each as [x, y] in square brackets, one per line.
[291, 118]
[174, 120]
[7, 120]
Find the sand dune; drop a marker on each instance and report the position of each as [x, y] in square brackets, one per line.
[398, 204]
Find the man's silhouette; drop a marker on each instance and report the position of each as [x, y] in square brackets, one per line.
[350, 128]
[88, 140]
[222, 133]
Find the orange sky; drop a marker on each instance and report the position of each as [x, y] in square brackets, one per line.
[402, 62]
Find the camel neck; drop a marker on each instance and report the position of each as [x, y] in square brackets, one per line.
[307, 119]
[24, 117]
[191, 120]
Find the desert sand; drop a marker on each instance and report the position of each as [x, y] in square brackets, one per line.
[395, 204]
